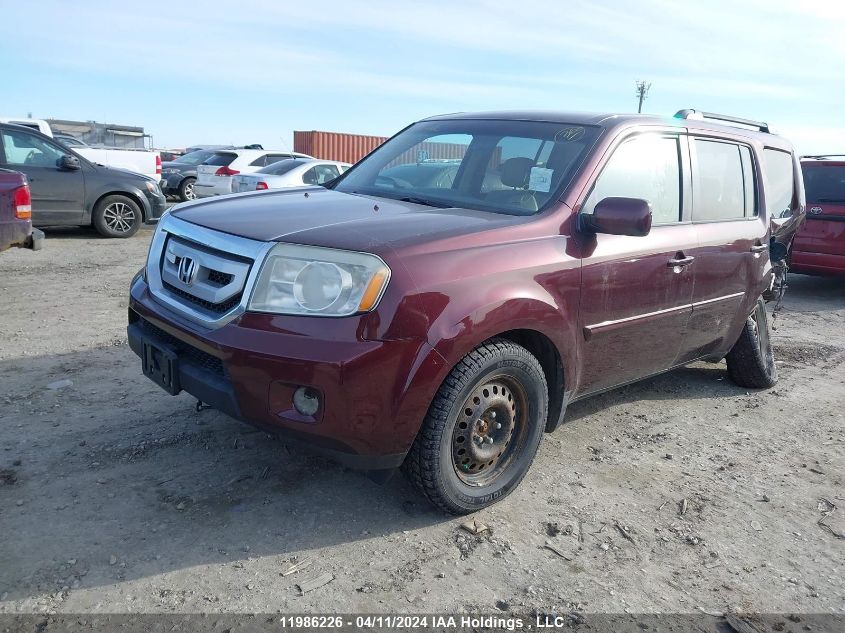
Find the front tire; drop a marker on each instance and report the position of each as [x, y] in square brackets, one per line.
[186, 189]
[117, 216]
[751, 361]
[482, 431]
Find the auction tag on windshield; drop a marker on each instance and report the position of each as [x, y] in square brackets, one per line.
[540, 179]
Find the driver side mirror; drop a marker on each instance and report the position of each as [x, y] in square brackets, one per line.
[68, 162]
[618, 216]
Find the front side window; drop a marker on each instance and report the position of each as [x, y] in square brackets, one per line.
[502, 166]
[23, 149]
[319, 174]
[724, 182]
[646, 167]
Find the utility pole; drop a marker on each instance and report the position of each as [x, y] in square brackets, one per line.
[642, 92]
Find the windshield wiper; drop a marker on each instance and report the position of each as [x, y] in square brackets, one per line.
[424, 201]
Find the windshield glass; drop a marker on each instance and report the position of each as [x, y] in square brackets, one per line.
[511, 167]
[194, 158]
[824, 183]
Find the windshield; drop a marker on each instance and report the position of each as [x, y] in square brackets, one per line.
[280, 167]
[194, 158]
[824, 183]
[511, 167]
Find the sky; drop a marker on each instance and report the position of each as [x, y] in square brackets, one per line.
[227, 72]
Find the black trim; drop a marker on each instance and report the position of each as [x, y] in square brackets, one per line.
[826, 216]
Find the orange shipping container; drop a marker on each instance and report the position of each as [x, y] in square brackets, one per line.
[347, 148]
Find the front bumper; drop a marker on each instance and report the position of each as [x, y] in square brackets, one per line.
[374, 394]
[157, 206]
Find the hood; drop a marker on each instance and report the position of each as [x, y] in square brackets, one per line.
[322, 217]
[123, 173]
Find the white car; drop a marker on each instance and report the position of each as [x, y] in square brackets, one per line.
[290, 173]
[214, 176]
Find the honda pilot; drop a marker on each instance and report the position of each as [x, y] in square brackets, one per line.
[443, 325]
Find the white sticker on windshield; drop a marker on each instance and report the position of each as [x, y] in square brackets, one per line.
[541, 179]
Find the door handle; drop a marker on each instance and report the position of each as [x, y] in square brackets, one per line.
[680, 262]
[759, 248]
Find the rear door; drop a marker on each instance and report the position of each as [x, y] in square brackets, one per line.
[636, 292]
[731, 259]
[821, 241]
[57, 194]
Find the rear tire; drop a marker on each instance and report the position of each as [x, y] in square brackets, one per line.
[186, 189]
[751, 361]
[117, 216]
[482, 431]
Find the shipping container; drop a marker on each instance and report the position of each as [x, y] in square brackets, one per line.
[339, 146]
[350, 148]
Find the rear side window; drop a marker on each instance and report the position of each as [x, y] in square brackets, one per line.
[780, 182]
[824, 183]
[279, 167]
[725, 182]
[646, 167]
[221, 159]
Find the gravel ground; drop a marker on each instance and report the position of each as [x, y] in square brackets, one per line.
[678, 494]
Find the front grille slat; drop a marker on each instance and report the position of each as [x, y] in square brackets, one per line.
[218, 308]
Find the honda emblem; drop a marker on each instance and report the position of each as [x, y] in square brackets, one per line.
[187, 272]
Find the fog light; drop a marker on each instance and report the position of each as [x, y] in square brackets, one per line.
[306, 401]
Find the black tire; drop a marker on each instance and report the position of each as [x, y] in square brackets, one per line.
[186, 189]
[516, 395]
[117, 216]
[751, 361]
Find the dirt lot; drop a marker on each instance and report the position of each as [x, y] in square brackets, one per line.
[116, 497]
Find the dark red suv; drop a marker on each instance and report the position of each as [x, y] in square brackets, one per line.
[444, 325]
[819, 247]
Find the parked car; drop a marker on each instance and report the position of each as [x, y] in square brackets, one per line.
[16, 213]
[141, 161]
[445, 327]
[214, 175]
[819, 246]
[178, 176]
[294, 172]
[68, 189]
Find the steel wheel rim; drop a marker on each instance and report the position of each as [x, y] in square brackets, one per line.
[762, 331]
[119, 217]
[189, 191]
[491, 426]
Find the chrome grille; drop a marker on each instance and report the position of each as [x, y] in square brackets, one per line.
[208, 279]
[204, 275]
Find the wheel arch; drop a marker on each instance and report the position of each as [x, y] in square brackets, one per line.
[136, 197]
[544, 329]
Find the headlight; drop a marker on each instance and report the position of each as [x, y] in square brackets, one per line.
[152, 187]
[311, 280]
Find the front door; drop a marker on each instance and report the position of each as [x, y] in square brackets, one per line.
[636, 292]
[57, 194]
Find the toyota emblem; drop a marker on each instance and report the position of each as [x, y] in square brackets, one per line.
[187, 270]
[816, 211]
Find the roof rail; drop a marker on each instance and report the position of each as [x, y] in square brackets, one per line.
[697, 115]
[824, 156]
